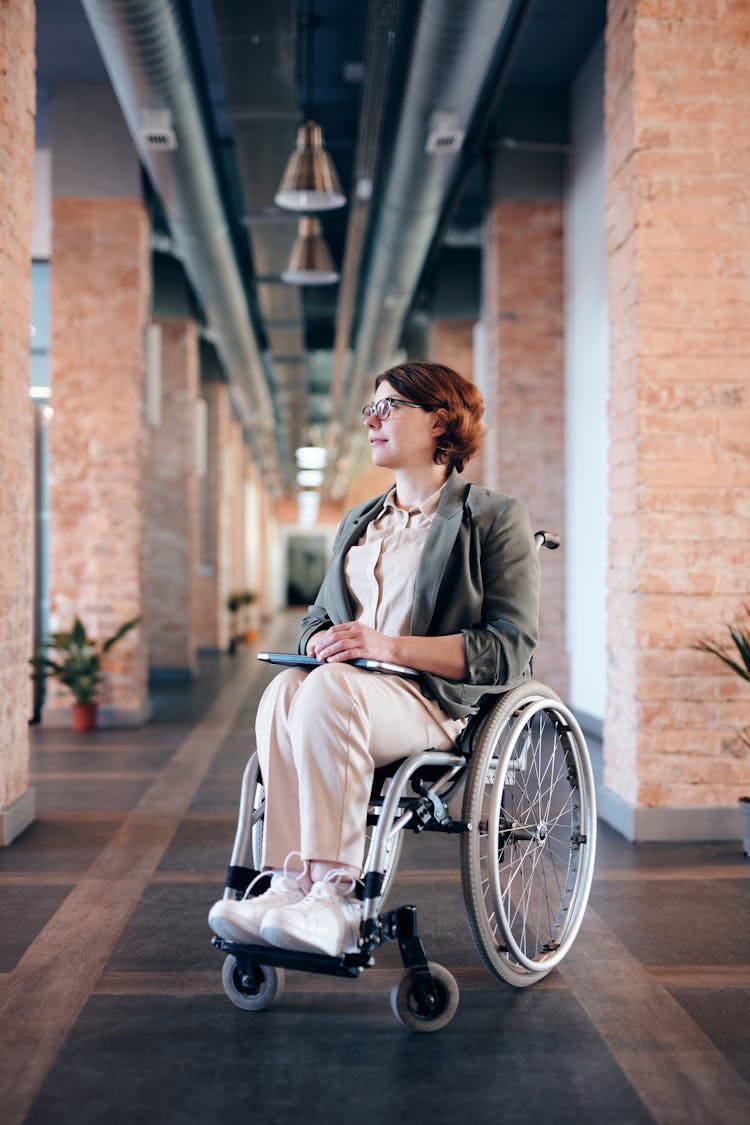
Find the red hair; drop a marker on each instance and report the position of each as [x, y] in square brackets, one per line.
[456, 403]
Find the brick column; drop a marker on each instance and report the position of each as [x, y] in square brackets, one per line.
[211, 580]
[678, 232]
[17, 96]
[100, 290]
[173, 507]
[524, 446]
[452, 343]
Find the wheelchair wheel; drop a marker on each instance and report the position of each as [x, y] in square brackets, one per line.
[527, 860]
[419, 1012]
[250, 986]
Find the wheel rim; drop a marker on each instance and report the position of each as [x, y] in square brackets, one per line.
[539, 817]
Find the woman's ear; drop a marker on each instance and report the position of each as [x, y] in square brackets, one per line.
[439, 423]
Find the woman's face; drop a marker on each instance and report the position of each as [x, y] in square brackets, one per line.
[406, 439]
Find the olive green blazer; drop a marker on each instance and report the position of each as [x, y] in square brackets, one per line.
[478, 575]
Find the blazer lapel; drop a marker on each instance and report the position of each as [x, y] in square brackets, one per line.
[341, 608]
[436, 552]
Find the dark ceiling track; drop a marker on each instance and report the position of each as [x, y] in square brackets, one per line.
[453, 56]
[144, 46]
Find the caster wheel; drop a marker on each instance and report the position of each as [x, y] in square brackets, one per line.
[414, 1009]
[249, 986]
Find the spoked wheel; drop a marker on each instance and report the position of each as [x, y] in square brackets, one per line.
[528, 859]
[250, 986]
[422, 1007]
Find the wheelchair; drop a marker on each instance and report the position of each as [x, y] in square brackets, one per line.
[527, 833]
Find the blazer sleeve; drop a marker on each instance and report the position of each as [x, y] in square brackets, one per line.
[499, 648]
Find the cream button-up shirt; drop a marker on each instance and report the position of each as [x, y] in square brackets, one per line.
[381, 570]
[381, 576]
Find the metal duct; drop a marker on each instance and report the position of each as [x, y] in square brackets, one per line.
[144, 47]
[452, 57]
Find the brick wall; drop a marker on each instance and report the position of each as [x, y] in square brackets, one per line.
[17, 96]
[678, 231]
[173, 503]
[452, 343]
[100, 294]
[211, 579]
[524, 447]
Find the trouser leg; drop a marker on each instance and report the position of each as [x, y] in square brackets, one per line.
[275, 754]
[345, 721]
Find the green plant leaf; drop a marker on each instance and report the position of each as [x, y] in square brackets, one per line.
[120, 634]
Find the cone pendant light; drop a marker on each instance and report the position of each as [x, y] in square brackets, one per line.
[310, 262]
[310, 182]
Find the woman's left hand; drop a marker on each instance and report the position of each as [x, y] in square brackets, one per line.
[351, 641]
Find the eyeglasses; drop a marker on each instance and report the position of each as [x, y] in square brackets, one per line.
[382, 408]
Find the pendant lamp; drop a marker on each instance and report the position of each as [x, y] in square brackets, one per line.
[310, 182]
[310, 262]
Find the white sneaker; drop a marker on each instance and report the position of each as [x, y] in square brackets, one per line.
[325, 921]
[240, 920]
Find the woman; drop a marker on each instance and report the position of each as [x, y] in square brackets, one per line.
[436, 574]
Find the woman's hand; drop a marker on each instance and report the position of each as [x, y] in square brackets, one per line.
[443, 656]
[350, 641]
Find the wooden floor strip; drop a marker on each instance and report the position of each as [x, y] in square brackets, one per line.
[672, 1065]
[43, 995]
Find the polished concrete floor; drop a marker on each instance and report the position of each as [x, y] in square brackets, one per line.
[111, 1006]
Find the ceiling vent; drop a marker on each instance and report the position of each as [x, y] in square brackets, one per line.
[445, 134]
[157, 133]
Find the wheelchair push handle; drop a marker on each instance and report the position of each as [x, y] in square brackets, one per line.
[549, 539]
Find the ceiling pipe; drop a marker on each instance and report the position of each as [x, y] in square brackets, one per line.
[144, 48]
[453, 57]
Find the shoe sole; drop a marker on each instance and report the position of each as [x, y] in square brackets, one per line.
[283, 939]
[228, 930]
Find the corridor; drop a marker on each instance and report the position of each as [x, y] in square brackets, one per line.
[112, 1005]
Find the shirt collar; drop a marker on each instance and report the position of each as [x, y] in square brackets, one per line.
[428, 507]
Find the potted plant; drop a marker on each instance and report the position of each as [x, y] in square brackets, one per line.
[77, 664]
[738, 659]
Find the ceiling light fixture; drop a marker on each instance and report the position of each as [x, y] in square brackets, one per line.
[310, 262]
[311, 457]
[310, 182]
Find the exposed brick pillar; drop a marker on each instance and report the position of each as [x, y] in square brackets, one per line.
[452, 343]
[524, 446]
[211, 582]
[678, 231]
[173, 507]
[100, 296]
[17, 98]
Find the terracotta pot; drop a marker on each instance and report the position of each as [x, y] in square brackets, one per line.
[84, 716]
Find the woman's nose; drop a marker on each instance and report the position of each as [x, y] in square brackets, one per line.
[373, 420]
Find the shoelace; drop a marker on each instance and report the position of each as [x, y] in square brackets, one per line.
[334, 879]
[264, 874]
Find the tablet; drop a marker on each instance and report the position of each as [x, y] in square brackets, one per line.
[295, 660]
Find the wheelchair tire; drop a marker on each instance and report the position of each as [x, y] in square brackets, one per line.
[413, 1010]
[527, 860]
[249, 986]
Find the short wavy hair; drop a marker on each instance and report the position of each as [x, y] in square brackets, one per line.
[454, 400]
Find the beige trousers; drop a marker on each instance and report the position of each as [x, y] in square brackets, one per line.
[320, 735]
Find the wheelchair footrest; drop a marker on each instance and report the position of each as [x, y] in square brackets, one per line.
[349, 965]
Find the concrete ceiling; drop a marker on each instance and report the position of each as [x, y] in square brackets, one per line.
[373, 74]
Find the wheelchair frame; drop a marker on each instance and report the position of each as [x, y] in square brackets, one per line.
[528, 839]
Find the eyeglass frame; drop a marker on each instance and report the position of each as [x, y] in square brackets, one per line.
[371, 410]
